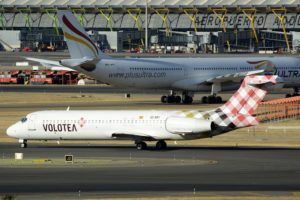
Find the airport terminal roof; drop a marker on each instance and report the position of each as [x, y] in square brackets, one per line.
[138, 3]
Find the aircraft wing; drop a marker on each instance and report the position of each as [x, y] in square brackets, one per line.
[196, 81]
[236, 77]
[132, 136]
[50, 64]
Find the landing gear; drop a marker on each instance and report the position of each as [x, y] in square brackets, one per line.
[187, 97]
[23, 143]
[211, 99]
[141, 145]
[171, 98]
[296, 93]
[161, 144]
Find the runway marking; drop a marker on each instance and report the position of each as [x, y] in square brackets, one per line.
[102, 162]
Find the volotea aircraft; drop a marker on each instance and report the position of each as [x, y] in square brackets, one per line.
[145, 125]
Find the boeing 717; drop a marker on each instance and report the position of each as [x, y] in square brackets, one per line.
[145, 125]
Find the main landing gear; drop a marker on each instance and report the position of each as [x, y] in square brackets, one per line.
[160, 145]
[211, 99]
[171, 99]
[141, 145]
[296, 93]
[23, 143]
[187, 98]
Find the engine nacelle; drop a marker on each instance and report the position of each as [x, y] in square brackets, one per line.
[179, 125]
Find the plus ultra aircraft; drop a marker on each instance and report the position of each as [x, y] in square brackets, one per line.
[182, 76]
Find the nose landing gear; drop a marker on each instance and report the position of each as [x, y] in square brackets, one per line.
[23, 143]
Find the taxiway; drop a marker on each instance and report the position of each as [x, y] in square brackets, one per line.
[230, 169]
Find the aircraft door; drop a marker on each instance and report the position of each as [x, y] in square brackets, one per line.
[185, 71]
[32, 123]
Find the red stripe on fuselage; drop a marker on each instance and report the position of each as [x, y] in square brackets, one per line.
[70, 26]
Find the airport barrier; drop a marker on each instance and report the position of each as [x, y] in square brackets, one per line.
[279, 109]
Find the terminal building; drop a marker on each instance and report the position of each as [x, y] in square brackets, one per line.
[157, 25]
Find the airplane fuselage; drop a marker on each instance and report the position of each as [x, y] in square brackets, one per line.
[187, 73]
[100, 125]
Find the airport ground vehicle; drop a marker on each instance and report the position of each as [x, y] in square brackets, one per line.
[11, 77]
[38, 77]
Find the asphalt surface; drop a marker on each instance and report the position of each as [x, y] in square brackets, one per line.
[235, 169]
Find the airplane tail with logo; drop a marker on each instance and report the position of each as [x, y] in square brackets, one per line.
[79, 43]
[238, 111]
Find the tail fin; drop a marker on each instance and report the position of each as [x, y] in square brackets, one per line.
[246, 99]
[79, 43]
[238, 110]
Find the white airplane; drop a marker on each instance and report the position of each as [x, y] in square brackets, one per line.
[146, 125]
[179, 75]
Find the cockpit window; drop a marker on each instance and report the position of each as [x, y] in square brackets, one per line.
[24, 119]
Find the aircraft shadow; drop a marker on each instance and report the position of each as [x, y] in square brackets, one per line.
[169, 148]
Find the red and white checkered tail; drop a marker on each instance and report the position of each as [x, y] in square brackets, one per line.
[246, 99]
[238, 110]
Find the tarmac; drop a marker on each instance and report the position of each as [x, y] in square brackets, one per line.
[226, 170]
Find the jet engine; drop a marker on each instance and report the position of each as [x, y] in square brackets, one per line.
[180, 125]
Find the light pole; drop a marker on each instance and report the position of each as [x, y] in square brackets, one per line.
[146, 26]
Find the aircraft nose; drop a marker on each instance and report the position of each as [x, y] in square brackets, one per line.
[12, 131]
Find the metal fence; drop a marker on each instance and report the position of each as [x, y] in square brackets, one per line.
[279, 109]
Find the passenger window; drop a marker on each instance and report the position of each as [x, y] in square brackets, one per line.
[24, 119]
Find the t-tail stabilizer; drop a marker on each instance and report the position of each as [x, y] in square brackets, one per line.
[238, 111]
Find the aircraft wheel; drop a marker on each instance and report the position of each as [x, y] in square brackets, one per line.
[171, 99]
[163, 99]
[211, 99]
[190, 100]
[187, 100]
[204, 99]
[219, 99]
[161, 144]
[23, 145]
[141, 145]
[177, 99]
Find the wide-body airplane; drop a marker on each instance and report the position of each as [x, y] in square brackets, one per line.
[182, 76]
[147, 125]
